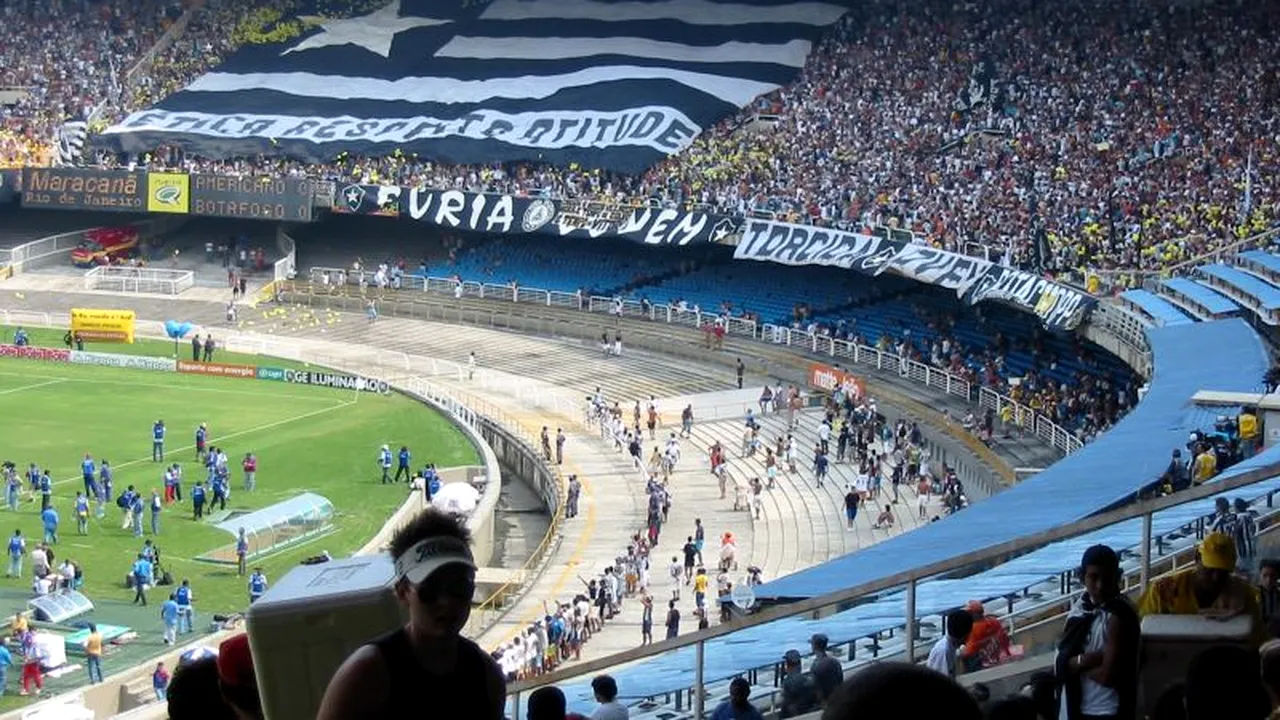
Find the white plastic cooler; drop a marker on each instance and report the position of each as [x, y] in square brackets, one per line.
[1169, 642]
[307, 624]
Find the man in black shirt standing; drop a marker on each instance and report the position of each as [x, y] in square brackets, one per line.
[826, 670]
[428, 657]
[690, 555]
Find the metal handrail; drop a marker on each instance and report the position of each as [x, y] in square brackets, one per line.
[910, 578]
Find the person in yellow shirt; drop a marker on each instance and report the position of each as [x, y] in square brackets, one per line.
[1248, 424]
[1208, 588]
[93, 654]
[700, 582]
[1205, 465]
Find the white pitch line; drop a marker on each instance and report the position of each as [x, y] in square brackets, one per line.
[226, 437]
[33, 386]
[127, 383]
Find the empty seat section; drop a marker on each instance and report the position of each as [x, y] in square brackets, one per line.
[1157, 308]
[1212, 300]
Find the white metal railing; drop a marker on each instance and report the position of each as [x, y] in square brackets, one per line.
[815, 343]
[127, 279]
[44, 252]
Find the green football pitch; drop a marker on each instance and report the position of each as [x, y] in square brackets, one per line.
[307, 439]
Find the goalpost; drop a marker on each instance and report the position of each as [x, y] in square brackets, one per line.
[124, 279]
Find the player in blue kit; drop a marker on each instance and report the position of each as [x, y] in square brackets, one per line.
[157, 441]
[87, 469]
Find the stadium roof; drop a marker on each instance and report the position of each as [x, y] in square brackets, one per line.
[1222, 355]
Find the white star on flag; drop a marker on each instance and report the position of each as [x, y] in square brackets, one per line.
[373, 32]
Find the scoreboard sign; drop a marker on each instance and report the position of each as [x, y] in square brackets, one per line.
[84, 189]
[254, 198]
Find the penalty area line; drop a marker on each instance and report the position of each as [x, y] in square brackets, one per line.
[228, 436]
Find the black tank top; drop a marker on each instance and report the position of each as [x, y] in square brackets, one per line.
[409, 683]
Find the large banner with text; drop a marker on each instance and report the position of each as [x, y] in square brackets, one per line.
[287, 199]
[1059, 307]
[492, 214]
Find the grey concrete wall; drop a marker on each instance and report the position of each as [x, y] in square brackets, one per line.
[527, 465]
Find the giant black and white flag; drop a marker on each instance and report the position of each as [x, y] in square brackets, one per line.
[614, 84]
[71, 140]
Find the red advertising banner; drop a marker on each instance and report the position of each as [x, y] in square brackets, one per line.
[217, 369]
[29, 352]
[827, 379]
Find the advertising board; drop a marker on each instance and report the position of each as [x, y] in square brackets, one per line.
[84, 189]
[29, 352]
[217, 369]
[168, 193]
[129, 362]
[827, 378]
[336, 380]
[103, 325]
[271, 373]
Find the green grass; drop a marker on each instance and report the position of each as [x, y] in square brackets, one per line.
[306, 438]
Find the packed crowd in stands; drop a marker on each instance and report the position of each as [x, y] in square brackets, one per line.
[1123, 140]
[68, 58]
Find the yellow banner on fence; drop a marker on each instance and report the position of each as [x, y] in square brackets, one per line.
[103, 325]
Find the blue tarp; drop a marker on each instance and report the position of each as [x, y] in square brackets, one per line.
[1160, 310]
[1220, 355]
[1212, 300]
[1266, 294]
